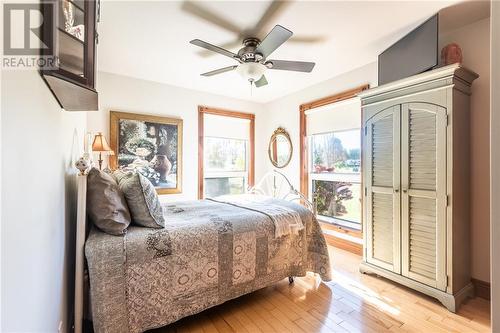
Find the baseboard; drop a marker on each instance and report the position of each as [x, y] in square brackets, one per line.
[482, 289]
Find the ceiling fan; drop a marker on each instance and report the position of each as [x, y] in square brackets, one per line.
[265, 22]
[252, 57]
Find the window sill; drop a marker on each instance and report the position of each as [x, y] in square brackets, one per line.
[347, 239]
[339, 223]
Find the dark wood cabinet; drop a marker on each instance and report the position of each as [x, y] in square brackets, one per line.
[70, 29]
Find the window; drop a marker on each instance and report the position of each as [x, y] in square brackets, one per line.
[225, 165]
[335, 176]
[226, 152]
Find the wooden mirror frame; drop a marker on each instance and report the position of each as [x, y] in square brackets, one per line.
[277, 132]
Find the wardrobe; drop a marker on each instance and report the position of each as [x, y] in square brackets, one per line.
[416, 162]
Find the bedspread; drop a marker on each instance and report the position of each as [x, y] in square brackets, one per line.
[208, 253]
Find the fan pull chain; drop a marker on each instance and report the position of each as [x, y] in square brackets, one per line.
[251, 88]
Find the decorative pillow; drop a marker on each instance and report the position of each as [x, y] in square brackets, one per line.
[142, 199]
[106, 205]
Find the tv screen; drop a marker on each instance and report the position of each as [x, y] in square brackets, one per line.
[413, 54]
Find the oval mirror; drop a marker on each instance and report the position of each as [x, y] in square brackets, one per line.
[280, 148]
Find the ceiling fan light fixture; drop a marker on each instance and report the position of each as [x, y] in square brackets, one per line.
[251, 71]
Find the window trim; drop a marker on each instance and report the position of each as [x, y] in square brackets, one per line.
[202, 110]
[304, 150]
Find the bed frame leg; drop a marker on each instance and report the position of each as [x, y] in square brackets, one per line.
[290, 279]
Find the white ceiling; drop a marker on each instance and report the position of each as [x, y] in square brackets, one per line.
[150, 40]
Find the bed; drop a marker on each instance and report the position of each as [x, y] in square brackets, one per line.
[210, 251]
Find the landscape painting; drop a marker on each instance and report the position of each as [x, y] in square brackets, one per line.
[150, 145]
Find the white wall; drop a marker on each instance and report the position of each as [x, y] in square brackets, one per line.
[474, 39]
[284, 112]
[121, 93]
[39, 143]
[495, 166]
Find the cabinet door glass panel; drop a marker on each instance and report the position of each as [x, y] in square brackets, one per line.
[71, 37]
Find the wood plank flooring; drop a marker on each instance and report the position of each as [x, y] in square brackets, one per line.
[351, 302]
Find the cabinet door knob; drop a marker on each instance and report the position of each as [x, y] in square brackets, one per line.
[396, 190]
[405, 190]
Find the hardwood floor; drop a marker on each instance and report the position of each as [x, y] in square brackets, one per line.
[351, 302]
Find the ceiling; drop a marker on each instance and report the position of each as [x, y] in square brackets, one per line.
[150, 40]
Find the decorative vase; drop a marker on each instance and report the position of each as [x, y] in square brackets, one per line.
[162, 165]
[451, 54]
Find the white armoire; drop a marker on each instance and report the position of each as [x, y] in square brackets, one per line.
[416, 208]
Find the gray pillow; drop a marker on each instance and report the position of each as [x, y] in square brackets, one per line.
[106, 205]
[142, 199]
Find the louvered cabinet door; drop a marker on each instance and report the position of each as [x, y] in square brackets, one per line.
[423, 201]
[382, 181]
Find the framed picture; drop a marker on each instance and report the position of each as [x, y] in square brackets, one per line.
[152, 145]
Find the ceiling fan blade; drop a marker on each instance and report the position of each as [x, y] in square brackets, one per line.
[230, 45]
[307, 39]
[261, 82]
[205, 14]
[214, 48]
[297, 66]
[276, 7]
[273, 40]
[219, 71]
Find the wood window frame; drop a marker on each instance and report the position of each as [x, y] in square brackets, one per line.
[202, 110]
[304, 165]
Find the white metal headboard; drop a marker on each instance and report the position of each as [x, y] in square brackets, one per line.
[81, 226]
[275, 184]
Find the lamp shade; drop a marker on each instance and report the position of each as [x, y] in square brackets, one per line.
[100, 143]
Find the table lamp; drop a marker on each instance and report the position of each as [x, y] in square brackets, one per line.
[101, 145]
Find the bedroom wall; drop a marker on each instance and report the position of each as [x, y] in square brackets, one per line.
[39, 143]
[474, 39]
[126, 94]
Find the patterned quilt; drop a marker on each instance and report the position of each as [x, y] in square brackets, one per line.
[208, 253]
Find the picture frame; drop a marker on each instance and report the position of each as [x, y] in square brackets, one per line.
[150, 145]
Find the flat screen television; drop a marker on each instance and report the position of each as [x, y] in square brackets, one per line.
[415, 53]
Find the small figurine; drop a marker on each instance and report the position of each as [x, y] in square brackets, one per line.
[83, 164]
[451, 54]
